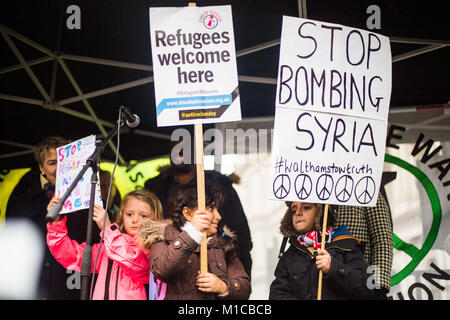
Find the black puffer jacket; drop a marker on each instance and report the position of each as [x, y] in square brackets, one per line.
[297, 276]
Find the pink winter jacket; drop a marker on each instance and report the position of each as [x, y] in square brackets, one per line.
[130, 267]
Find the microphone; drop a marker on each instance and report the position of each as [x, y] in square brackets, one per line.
[133, 119]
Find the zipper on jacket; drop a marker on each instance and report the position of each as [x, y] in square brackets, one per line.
[117, 282]
[336, 247]
[305, 251]
[108, 278]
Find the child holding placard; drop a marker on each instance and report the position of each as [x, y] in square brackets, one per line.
[342, 261]
[122, 266]
[175, 255]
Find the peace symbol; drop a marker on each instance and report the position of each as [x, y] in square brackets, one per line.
[281, 186]
[344, 188]
[324, 186]
[303, 186]
[365, 190]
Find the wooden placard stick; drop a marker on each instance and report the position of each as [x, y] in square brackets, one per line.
[322, 246]
[198, 132]
[201, 190]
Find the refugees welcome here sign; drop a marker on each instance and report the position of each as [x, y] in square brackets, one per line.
[194, 63]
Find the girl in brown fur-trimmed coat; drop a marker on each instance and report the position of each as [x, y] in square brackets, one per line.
[175, 251]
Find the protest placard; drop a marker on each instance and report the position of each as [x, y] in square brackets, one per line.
[332, 103]
[71, 159]
[194, 65]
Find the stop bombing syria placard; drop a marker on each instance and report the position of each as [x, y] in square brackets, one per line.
[332, 103]
[194, 64]
[71, 159]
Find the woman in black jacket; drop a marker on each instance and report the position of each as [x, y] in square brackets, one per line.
[342, 260]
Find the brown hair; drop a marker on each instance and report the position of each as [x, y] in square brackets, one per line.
[46, 145]
[287, 229]
[143, 195]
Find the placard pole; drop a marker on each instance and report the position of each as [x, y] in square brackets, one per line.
[201, 190]
[322, 246]
[198, 130]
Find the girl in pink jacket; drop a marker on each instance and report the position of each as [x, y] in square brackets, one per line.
[123, 268]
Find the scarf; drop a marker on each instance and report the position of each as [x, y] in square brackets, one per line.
[314, 238]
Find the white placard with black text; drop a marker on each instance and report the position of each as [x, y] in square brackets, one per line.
[332, 103]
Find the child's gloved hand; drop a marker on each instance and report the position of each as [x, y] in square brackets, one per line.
[323, 260]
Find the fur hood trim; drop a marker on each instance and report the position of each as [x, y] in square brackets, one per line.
[152, 231]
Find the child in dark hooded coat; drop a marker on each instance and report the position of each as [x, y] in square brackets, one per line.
[342, 261]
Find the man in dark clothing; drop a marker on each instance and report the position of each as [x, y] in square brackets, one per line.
[29, 200]
[167, 184]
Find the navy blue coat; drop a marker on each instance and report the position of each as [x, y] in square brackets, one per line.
[296, 275]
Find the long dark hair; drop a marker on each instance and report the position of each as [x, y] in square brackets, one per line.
[187, 197]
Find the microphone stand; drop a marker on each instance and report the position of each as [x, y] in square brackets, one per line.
[91, 162]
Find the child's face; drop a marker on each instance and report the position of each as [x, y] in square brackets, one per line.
[303, 215]
[215, 217]
[135, 212]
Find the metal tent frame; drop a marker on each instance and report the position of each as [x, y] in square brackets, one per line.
[59, 59]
